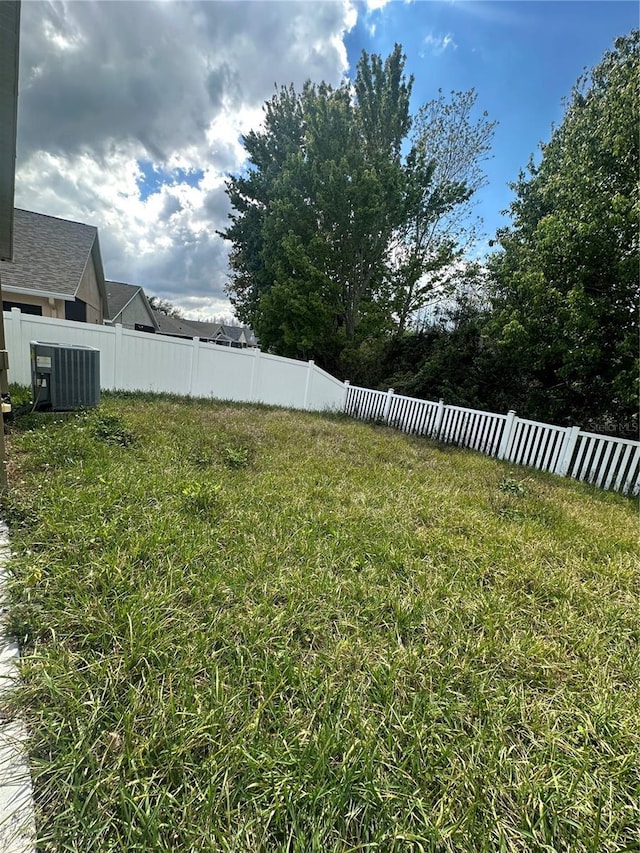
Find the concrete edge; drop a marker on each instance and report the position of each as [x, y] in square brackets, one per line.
[17, 813]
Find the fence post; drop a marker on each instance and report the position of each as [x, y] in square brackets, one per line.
[195, 364]
[307, 384]
[438, 421]
[387, 405]
[254, 375]
[14, 329]
[505, 444]
[345, 397]
[566, 451]
[16, 317]
[118, 359]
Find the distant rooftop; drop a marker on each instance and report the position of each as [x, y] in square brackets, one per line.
[49, 254]
[119, 295]
[203, 330]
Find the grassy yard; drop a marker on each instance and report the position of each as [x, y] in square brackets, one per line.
[248, 629]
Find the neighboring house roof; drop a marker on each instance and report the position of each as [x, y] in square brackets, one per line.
[205, 331]
[242, 334]
[233, 332]
[208, 331]
[120, 294]
[173, 326]
[50, 256]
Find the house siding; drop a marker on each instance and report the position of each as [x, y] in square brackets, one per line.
[89, 292]
[53, 308]
[135, 312]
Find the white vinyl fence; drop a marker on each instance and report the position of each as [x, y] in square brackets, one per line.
[138, 361]
[604, 461]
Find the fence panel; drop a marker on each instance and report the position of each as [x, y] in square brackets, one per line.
[604, 461]
[607, 462]
[153, 363]
[536, 444]
[326, 391]
[280, 381]
[486, 432]
[412, 415]
[365, 404]
[137, 361]
[219, 373]
[472, 428]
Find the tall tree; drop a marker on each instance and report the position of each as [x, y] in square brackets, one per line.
[566, 281]
[443, 173]
[315, 211]
[326, 215]
[251, 193]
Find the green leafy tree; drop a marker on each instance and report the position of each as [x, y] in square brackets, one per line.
[326, 214]
[164, 307]
[443, 173]
[315, 211]
[251, 195]
[566, 281]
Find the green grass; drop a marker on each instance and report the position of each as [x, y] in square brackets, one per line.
[248, 629]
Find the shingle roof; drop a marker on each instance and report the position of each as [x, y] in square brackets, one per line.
[49, 254]
[200, 329]
[119, 295]
[204, 330]
[233, 332]
[174, 326]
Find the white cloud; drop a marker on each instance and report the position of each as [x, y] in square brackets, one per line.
[69, 40]
[373, 10]
[438, 44]
[106, 86]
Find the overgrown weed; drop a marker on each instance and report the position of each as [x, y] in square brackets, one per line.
[258, 630]
[111, 429]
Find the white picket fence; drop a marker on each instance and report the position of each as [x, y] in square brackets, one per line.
[137, 361]
[604, 461]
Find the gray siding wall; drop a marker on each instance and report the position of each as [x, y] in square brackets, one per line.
[135, 312]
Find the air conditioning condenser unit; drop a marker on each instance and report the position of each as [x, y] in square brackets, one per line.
[64, 376]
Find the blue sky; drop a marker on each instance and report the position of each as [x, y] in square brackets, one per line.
[152, 178]
[522, 59]
[130, 114]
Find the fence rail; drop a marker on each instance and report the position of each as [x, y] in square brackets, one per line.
[137, 361]
[604, 461]
[610, 463]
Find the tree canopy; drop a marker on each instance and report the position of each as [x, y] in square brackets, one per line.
[164, 307]
[343, 222]
[566, 281]
[353, 212]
